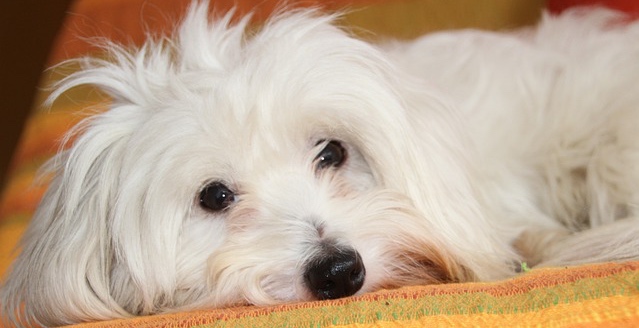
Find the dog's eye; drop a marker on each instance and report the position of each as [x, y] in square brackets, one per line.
[333, 155]
[216, 197]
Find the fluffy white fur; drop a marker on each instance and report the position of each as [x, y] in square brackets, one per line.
[466, 153]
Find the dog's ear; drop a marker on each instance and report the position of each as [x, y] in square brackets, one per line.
[62, 274]
[421, 149]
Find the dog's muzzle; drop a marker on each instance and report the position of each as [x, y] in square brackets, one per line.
[336, 273]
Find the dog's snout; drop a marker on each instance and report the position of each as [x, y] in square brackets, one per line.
[339, 274]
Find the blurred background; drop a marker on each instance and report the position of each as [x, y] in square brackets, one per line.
[26, 35]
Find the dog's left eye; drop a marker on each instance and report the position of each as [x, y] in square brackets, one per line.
[216, 197]
[333, 155]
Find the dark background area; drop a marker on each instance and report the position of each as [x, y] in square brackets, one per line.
[27, 30]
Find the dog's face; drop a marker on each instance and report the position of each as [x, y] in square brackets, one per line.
[265, 175]
[229, 169]
[288, 208]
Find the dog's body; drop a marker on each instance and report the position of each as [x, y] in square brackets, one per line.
[301, 164]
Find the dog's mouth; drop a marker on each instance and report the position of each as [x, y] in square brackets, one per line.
[335, 273]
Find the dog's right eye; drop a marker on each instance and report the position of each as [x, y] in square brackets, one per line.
[333, 155]
[216, 197]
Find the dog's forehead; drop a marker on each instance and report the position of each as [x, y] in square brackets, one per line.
[243, 132]
[271, 137]
[255, 117]
[282, 93]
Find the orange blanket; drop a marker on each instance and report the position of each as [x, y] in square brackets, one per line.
[591, 296]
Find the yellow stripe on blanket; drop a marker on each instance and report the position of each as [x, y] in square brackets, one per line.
[595, 295]
[616, 312]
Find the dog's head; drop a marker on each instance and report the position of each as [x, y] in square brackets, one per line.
[286, 165]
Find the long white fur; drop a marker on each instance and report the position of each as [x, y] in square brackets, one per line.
[468, 152]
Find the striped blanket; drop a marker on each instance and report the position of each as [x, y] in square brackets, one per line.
[591, 296]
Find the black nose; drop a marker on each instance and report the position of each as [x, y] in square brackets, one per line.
[339, 274]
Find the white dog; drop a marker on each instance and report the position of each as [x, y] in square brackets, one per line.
[299, 163]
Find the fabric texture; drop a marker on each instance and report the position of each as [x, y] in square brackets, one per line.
[589, 296]
[596, 295]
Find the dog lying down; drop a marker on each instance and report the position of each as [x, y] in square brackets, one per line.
[298, 163]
